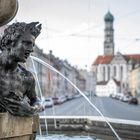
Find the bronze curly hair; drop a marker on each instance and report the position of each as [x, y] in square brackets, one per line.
[16, 30]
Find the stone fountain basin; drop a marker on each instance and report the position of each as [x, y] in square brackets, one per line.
[18, 128]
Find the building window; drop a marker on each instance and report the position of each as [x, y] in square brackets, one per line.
[108, 73]
[103, 73]
[121, 73]
[114, 71]
[96, 70]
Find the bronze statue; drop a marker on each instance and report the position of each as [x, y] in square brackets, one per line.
[17, 85]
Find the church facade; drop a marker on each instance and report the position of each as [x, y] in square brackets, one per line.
[110, 65]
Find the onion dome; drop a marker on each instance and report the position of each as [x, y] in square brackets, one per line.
[109, 17]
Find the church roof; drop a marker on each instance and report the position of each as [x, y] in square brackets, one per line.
[101, 59]
[134, 57]
[108, 17]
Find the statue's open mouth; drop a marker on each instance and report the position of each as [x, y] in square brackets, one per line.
[26, 55]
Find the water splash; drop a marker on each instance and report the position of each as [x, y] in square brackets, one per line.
[36, 77]
[55, 70]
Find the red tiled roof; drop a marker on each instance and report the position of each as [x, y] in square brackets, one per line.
[103, 59]
[132, 56]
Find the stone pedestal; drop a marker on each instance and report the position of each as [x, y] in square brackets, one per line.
[18, 128]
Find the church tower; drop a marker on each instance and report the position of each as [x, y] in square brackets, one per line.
[109, 34]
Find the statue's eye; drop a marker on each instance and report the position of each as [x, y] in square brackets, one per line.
[9, 42]
[27, 43]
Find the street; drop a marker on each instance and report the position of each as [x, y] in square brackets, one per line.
[109, 107]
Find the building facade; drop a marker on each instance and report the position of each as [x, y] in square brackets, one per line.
[110, 65]
[107, 88]
[50, 80]
[134, 82]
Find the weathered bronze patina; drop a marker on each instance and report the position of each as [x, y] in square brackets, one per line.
[17, 85]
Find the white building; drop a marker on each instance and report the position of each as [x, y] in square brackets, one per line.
[106, 88]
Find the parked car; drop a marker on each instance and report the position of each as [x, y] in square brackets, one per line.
[77, 95]
[126, 98]
[48, 102]
[59, 100]
[119, 96]
[112, 95]
[69, 96]
[55, 100]
[133, 100]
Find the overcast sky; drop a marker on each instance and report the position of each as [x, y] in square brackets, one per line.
[74, 29]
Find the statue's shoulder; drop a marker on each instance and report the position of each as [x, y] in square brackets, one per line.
[0, 56]
[24, 71]
[0, 60]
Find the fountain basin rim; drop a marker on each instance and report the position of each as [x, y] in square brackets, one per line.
[94, 118]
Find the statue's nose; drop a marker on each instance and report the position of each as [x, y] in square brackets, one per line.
[30, 49]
